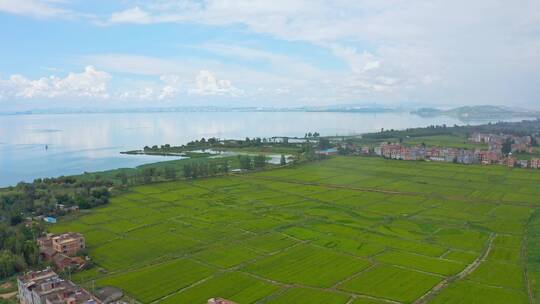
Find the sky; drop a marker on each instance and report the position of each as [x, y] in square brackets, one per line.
[281, 53]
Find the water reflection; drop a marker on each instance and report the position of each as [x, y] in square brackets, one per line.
[92, 142]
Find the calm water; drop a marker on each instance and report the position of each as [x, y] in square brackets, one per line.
[92, 142]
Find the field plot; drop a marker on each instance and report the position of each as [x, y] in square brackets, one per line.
[392, 283]
[346, 230]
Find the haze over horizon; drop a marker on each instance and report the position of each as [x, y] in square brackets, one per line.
[399, 53]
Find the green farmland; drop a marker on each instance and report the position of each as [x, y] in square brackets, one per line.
[347, 230]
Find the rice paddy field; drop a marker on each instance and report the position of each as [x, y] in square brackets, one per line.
[345, 230]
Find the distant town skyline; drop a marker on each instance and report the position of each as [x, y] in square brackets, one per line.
[74, 53]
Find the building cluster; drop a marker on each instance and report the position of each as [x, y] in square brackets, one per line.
[62, 249]
[518, 144]
[46, 287]
[493, 155]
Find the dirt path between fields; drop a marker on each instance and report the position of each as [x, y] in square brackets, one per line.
[465, 272]
[8, 295]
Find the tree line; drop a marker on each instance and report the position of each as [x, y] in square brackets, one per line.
[19, 250]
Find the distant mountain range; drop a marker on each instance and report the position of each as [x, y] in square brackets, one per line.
[334, 108]
[478, 112]
[463, 113]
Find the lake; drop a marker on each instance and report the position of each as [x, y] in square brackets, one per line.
[33, 146]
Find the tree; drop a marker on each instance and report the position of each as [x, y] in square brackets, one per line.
[170, 173]
[245, 162]
[324, 143]
[31, 252]
[534, 142]
[148, 174]
[507, 146]
[283, 161]
[212, 168]
[123, 178]
[259, 161]
[225, 167]
[188, 170]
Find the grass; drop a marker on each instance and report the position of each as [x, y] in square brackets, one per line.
[393, 283]
[451, 141]
[474, 293]
[346, 229]
[237, 287]
[308, 265]
[423, 263]
[141, 283]
[309, 296]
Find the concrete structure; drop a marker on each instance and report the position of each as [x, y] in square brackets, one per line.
[62, 249]
[327, 152]
[535, 163]
[46, 287]
[219, 301]
[66, 243]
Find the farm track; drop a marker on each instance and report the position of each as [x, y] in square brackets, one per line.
[427, 297]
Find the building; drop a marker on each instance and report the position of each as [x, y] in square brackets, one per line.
[328, 152]
[522, 163]
[365, 150]
[480, 138]
[62, 249]
[66, 243]
[488, 157]
[510, 162]
[65, 208]
[50, 220]
[466, 157]
[535, 163]
[46, 287]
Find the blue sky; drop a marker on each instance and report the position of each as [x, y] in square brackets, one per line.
[57, 53]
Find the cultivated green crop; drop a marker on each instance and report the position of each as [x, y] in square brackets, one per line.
[344, 230]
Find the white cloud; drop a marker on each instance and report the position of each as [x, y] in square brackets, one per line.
[208, 85]
[33, 8]
[166, 88]
[484, 51]
[436, 51]
[132, 15]
[91, 83]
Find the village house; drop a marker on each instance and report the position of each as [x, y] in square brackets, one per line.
[435, 154]
[67, 243]
[535, 163]
[365, 150]
[463, 156]
[523, 163]
[510, 161]
[519, 147]
[46, 287]
[488, 157]
[62, 249]
[466, 157]
[480, 138]
[328, 152]
[65, 208]
[450, 155]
